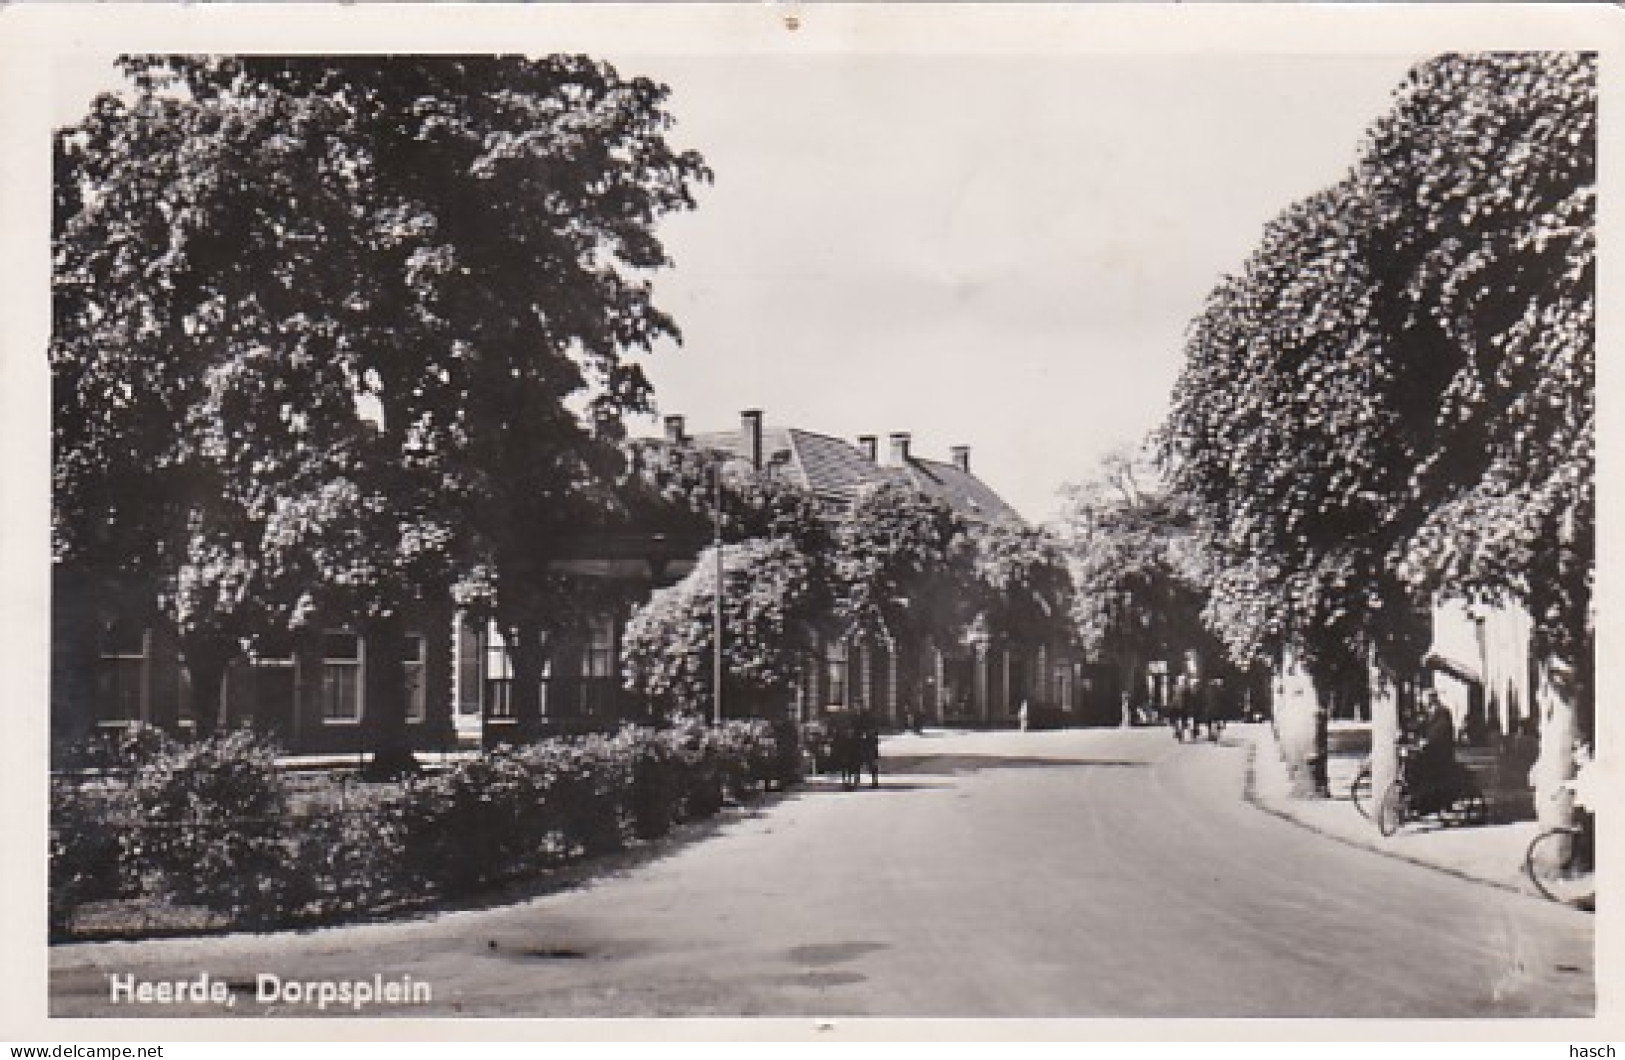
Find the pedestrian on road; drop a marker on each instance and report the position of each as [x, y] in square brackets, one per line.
[869, 737]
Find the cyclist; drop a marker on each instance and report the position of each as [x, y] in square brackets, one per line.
[1432, 771]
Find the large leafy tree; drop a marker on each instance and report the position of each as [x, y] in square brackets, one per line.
[1483, 178]
[771, 603]
[904, 572]
[775, 542]
[1395, 396]
[1286, 431]
[1483, 182]
[1137, 566]
[1024, 584]
[904, 566]
[898, 565]
[433, 265]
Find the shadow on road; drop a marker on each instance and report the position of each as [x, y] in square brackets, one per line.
[932, 764]
[888, 782]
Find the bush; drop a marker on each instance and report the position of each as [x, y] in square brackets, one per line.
[702, 769]
[754, 753]
[784, 768]
[212, 824]
[87, 862]
[658, 775]
[480, 822]
[348, 858]
[118, 750]
[586, 787]
[512, 812]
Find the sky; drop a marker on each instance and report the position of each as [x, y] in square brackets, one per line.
[999, 251]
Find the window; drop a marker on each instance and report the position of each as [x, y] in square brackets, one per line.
[341, 678]
[417, 702]
[598, 666]
[835, 676]
[121, 680]
[599, 659]
[498, 677]
[468, 670]
[269, 690]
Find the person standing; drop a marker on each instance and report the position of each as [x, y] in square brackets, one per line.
[1433, 768]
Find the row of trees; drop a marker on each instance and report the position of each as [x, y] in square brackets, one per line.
[1140, 572]
[897, 565]
[336, 335]
[1394, 397]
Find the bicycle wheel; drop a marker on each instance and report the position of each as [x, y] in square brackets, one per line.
[1391, 811]
[1556, 869]
[1360, 791]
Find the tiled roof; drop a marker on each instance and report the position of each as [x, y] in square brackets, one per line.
[963, 491]
[836, 470]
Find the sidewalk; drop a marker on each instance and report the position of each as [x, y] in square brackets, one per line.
[1490, 854]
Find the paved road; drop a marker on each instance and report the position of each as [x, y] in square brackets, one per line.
[1103, 873]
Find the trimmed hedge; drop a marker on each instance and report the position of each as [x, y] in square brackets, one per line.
[212, 819]
[217, 825]
[87, 850]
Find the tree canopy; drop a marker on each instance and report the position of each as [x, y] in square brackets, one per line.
[1024, 586]
[362, 319]
[770, 602]
[903, 564]
[1395, 395]
[898, 565]
[1139, 576]
[1483, 177]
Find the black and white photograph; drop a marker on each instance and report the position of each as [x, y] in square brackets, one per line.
[904, 513]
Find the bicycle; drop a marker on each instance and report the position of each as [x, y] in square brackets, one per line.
[1360, 790]
[1360, 786]
[1561, 862]
[1462, 804]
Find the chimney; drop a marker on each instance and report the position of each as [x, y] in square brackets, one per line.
[870, 444]
[674, 430]
[750, 427]
[961, 455]
[899, 448]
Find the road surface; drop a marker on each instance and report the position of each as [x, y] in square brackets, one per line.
[1106, 873]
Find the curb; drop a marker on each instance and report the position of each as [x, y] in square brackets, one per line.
[1250, 793]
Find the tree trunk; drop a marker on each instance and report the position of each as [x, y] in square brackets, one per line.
[1300, 726]
[1385, 712]
[384, 699]
[1554, 768]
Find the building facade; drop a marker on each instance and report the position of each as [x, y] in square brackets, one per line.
[115, 667]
